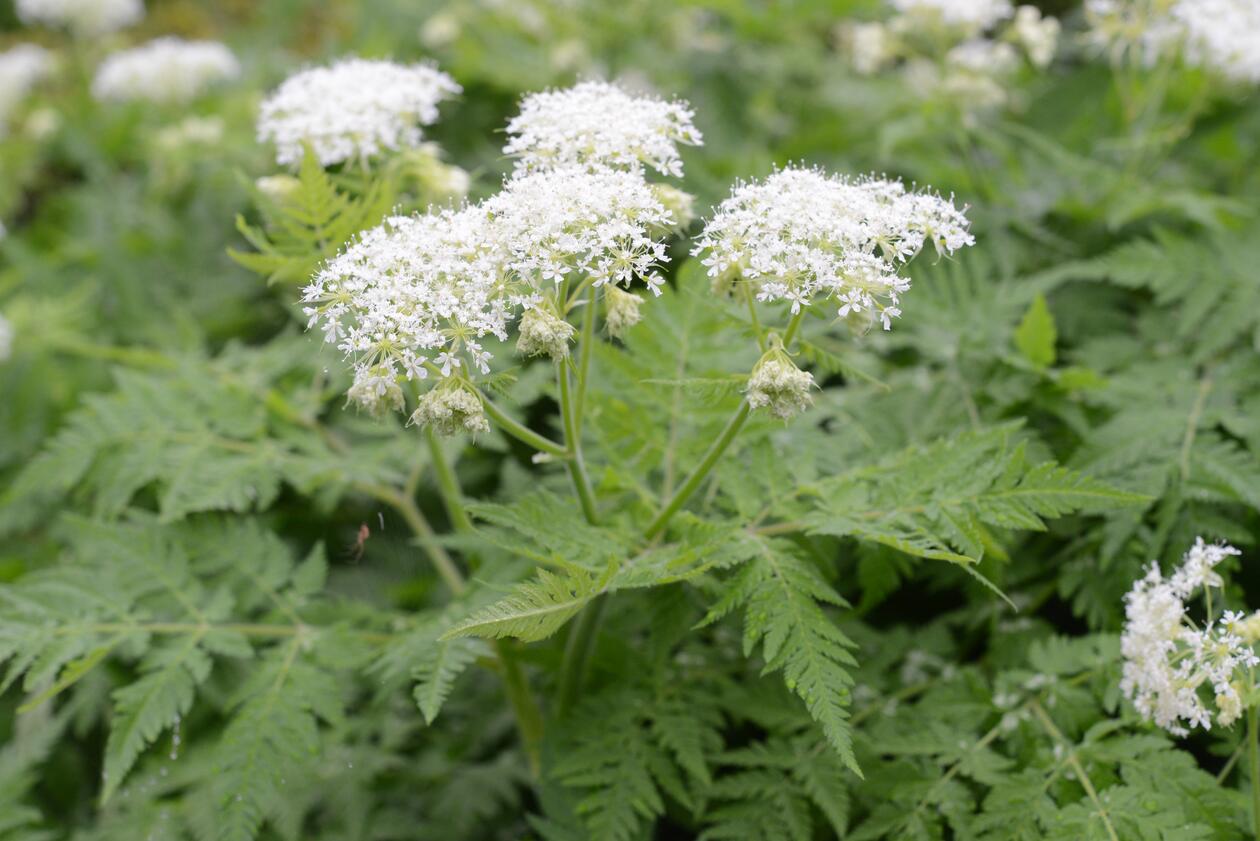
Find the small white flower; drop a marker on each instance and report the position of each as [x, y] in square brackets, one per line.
[1037, 35]
[870, 47]
[21, 69]
[83, 17]
[803, 236]
[597, 123]
[165, 71]
[354, 109]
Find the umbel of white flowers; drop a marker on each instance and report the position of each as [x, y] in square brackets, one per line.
[82, 17]
[417, 294]
[804, 237]
[164, 71]
[21, 68]
[600, 124]
[1222, 36]
[353, 110]
[1175, 669]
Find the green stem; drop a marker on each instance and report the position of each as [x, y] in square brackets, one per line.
[419, 525]
[756, 322]
[448, 486]
[521, 432]
[1253, 757]
[577, 465]
[584, 358]
[715, 451]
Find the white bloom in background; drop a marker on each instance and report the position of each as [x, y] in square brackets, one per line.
[597, 123]
[1037, 35]
[191, 131]
[83, 17]
[21, 69]
[976, 15]
[982, 56]
[164, 71]
[354, 109]
[1170, 664]
[575, 222]
[870, 47]
[803, 236]
[6, 329]
[1222, 36]
[412, 294]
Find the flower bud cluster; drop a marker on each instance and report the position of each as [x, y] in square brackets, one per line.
[21, 69]
[778, 386]
[352, 110]
[449, 409]
[165, 71]
[84, 18]
[803, 236]
[1173, 668]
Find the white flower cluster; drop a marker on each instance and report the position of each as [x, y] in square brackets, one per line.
[599, 124]
[1169, 662]
[976, 15]
[963, 50]
[779, 387]
[417, 293]
[6, 335]
[164, 71]
[1222, 36]
[21, 68]
[83, 17]
[803, 236]
[354, 109]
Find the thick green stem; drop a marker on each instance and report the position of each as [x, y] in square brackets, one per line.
[715, 452]
[584, 358]
[521, 432]
[577, 465]
[1253, 757]
[448, 486]
[577, 652]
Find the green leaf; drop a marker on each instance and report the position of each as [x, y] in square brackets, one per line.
[1036, 335]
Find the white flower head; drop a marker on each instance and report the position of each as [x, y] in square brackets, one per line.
[803, 236]
[574, 222]
[778, 386]
[1171, 665]
[600, 124]
[972, 15]
[164, 71]
[82, 17]
[354, 109]
[1037, 35]
[6, 332]
[21, 69]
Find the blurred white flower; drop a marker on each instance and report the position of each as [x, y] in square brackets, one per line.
[354, 109]
[191, 131]
[600, 124]
[165, 71]
[976, 15]
[1222, 36]
[1037, 35]
[1168, 660]
[870, 47]
[803, 236]
[6, 329]
[83, 17]
[21, 69]
[983, 56]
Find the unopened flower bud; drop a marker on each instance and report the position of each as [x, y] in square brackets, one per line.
[544, 333]
[621, 310]
[777, 385]
[451, 409]
[679, 203]
[377, 391]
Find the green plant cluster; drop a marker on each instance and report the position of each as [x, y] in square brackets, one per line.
[234, 608]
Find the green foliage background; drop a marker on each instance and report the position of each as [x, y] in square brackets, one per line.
[196, 647]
